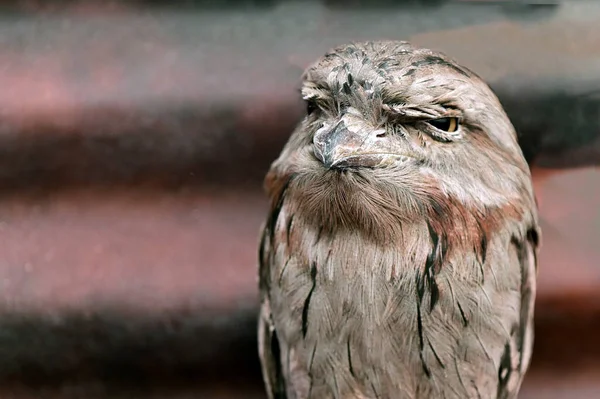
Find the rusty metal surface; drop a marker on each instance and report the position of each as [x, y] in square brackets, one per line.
[135, 285]
[160, 94]
[583, 386]
[133, 141]
[152, 249]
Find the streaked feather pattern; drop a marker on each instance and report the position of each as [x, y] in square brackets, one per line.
[405, 280]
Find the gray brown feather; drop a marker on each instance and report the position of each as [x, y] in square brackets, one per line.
[399, 279]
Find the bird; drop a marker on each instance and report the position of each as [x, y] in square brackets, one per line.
[399, 255]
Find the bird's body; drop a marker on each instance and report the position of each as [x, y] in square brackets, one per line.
[399, 257]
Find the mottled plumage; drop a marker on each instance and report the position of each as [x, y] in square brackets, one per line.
[399, 256]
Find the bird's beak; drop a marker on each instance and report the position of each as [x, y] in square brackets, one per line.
[340, 147]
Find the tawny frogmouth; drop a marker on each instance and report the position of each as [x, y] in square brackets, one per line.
[399, 257]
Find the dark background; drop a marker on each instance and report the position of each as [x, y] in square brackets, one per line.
[134, 136]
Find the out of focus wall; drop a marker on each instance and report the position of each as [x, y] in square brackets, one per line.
[134, 136]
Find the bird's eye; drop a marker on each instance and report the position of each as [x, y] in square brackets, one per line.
[311, 106]
[449, 125]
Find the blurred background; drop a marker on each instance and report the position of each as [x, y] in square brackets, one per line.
[134, 136]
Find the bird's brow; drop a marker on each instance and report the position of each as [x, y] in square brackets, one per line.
[436, 60]
[315, 91]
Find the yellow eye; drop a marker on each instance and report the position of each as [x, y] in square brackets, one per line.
[449, 125]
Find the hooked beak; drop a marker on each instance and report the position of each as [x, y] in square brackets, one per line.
[341, 148]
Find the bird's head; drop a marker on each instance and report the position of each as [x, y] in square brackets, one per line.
[393, 133]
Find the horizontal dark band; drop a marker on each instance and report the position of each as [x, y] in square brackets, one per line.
[207, 96]
[201, 346]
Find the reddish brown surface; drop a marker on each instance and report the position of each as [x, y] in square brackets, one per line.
[154, 251]
[569, 203]
[112, 128]
[158, 249]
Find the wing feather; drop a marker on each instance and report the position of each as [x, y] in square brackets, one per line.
[270, 357]
[517, 353]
